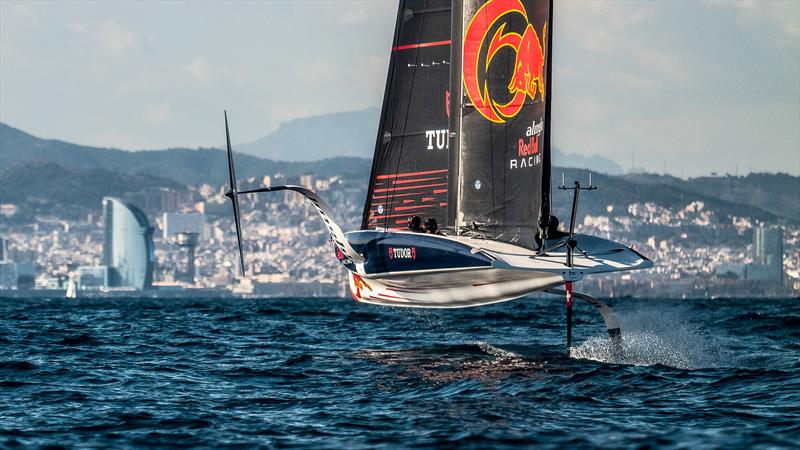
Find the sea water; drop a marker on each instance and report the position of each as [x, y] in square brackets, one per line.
[331, 373]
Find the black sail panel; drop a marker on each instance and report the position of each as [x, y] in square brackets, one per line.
[503, 135]
[409, 169]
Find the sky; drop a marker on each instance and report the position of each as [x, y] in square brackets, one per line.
[690, 87]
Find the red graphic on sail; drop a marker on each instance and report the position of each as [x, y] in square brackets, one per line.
[528, 77]
[396, 197]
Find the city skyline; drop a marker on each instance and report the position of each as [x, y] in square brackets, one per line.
[701, 249]
[668, 82]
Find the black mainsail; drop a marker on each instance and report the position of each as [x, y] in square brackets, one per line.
[409, 169]
[503, 145]
[465, 132]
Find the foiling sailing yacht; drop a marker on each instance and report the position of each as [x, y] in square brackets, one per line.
[464, 141]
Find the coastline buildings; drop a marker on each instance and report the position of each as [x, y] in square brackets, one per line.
[767, 255]
[188, 241]
[8, 275]
[127, 245]
[185, 230]
[699, 252]
[8, 270]
[92, 278]
[767, 262]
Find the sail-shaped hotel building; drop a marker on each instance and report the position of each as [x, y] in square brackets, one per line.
[128, 245]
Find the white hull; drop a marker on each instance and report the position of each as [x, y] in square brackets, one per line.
[457, 289]
[515, 272]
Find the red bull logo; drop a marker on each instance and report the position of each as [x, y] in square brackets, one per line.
[527, 79]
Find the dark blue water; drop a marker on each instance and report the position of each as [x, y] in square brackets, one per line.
[336, 374]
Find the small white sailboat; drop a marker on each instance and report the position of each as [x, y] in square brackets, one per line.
[72, 289]
[464, 141]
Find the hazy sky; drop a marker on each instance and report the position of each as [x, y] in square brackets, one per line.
[696, 86]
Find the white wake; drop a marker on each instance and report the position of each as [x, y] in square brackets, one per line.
[658, 336]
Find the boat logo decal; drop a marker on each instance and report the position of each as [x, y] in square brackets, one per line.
[439, 139]
[358, 284]
[528, 76]
[402, 253]
[528, 150]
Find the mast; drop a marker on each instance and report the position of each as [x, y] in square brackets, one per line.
[456, 93]
[546, 157]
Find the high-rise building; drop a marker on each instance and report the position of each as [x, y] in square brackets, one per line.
[128, 245]
[158, 199]
[4, 250]
[307, 181]
[768, 246]
[291, 198]
[767, 255]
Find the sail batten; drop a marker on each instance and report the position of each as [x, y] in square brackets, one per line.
[421, 45]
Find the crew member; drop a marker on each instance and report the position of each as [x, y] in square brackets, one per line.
[415, 224]
[552, 228]
[431, 226]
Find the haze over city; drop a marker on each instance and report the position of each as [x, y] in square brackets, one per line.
[692, 88]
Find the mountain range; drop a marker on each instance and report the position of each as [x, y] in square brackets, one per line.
[319, 137]
[51, 176]
[183, 165]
